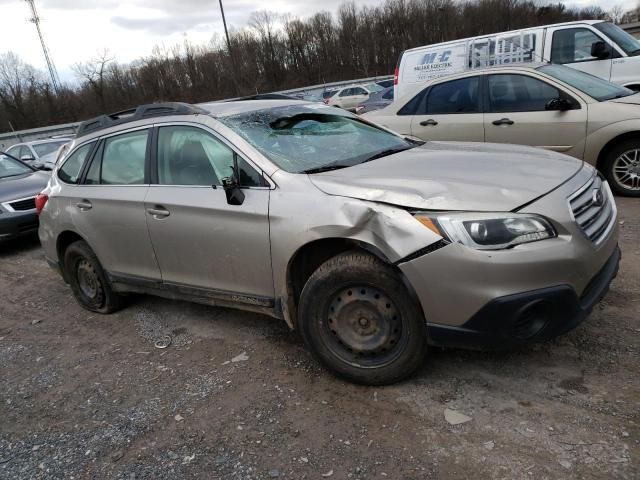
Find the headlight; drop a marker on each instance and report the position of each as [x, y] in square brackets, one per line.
[489, 231]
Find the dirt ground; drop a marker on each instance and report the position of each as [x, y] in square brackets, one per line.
[89, 396]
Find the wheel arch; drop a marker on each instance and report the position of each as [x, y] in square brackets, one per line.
[311, 255]
[602, 156]
[64, 239]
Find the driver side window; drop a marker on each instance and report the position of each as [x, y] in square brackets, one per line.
[192, 156]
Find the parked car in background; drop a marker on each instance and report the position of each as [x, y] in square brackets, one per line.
[19, 185]
[386, 83]
[349, 97]
[376, 101]
[327, 94]
[38, 153]
[548, 106]
[593, 46]
[370, 245]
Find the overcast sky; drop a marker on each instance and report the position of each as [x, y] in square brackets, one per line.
[75, 30]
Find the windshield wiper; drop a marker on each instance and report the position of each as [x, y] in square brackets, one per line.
[325, 168]
[385, 153]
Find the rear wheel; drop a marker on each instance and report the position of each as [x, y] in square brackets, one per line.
[622, 168]
[89, 283]
[358, 319]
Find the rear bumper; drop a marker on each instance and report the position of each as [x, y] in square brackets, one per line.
[14, 224]
[527, 317]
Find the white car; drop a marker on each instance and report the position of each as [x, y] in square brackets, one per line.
[350, 97]
[39, 152]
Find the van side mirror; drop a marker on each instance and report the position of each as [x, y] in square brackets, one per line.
[27, 158]
[600, 50]
[559, 104]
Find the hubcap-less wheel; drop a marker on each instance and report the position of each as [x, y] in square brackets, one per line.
[89, 282]
[363, 326]
[626, 169]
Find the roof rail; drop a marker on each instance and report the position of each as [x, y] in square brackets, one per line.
[138, 113]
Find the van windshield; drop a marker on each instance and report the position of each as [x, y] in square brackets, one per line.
[630, 45]
[593, 86]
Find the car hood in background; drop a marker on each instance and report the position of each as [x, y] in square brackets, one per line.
[454, 176]
[629, 99]
[22, 186]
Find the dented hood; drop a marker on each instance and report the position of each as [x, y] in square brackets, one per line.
[454, 176]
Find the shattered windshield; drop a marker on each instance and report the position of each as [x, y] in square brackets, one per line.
[313, 138]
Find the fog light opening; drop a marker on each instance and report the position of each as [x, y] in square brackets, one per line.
[530, 320]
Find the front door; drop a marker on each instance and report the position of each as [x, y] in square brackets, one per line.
[516, 113]
[200, 240]
[450, 111]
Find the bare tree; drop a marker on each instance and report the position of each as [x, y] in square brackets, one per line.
[94, 71]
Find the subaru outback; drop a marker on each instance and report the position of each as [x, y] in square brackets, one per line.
[373, 246]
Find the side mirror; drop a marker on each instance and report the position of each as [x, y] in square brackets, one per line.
[559, 104]
[27, 158]
[600, 50]
[235, 195]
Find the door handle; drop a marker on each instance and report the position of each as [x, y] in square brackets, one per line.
[84, 205]
[430, 122]
[503, 121]
[158, 212]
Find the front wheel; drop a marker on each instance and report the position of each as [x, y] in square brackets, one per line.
[358, 319]
[622, 168]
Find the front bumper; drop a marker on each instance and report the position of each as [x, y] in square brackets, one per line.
[530, 292]
[528, 317]
[14, 224]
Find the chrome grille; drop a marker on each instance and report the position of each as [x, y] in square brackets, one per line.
[594, 209]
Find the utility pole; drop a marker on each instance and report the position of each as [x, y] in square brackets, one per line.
[53, 73]
[233, 60]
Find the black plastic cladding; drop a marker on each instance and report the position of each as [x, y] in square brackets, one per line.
[133, 114]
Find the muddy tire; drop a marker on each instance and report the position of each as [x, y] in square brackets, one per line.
[89, 283]
[621, 168]
[358, 319]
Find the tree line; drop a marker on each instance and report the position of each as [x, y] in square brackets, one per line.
[272, 53]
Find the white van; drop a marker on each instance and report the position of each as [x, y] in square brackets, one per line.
[593, 46]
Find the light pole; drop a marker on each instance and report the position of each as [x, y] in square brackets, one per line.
[226, 34]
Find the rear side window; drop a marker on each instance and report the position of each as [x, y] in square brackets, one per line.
[519, 93]
[70, 171]
[120, 160]
[358, 91]
[457, 96]
[346, 92]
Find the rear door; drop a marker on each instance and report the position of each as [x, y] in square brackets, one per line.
[450, 111]
[516, 113]
[107, 205]
[201, 241]
[572, 47]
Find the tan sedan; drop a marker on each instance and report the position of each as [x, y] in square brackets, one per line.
[546, 106]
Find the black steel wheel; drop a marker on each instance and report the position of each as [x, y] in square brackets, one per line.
[357, 317]
[87, 279]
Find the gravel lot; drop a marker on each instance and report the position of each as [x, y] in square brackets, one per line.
[236, 396]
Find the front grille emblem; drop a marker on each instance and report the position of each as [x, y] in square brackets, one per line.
[597, 198]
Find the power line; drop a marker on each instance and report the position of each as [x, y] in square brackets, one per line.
[53, 73]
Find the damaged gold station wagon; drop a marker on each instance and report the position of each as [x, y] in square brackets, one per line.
[371, 245]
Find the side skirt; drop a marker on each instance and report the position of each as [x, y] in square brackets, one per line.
[217, 298]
